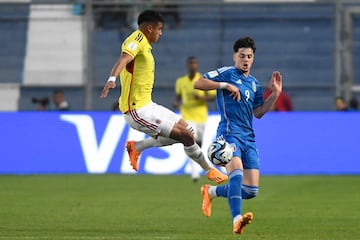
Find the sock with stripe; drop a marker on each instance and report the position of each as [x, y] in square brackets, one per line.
[247, 191]
[234, 192]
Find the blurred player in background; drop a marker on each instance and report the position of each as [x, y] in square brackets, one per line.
[193, 104]
[340, 104]
[136, 67]
[59, 101]
[239, 98]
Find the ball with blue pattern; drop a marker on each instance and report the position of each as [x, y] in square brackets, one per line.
[220, 152]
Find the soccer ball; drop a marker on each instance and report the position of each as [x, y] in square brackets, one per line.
[220, 152]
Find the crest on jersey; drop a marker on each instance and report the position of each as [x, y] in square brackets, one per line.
[213, 74]
[132, 46]
[233, 146]
[254, 86]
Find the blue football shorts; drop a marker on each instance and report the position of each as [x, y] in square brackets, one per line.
[245, 150]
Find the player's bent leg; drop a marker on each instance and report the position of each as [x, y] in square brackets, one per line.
[247, 192]
[251, 177]
[154, 120]
[234, 193]
[221, 191]
[154, 142]
[250, 187]
[134, 149]
[181, 133]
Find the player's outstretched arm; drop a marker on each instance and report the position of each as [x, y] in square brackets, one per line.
[176, 102]
[207, 84]
[118, 66]
[276, 88]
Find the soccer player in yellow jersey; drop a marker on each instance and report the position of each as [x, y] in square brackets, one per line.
[136, 67]
[193, 107]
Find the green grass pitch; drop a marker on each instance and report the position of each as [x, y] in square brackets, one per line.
[168, 207]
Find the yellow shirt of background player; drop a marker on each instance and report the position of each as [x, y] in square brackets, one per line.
[137, 78]
[191, 108]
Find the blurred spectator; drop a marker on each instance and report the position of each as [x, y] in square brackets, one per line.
[42, 103]
[340, 104]
[193, 104]
[59, 101]
[353, 104]
[282, 104]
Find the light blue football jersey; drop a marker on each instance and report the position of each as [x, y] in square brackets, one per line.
[236, 117]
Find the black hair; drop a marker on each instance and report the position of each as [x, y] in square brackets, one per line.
[150, 16]
[58, 91]
[191, 58]
[245, 42]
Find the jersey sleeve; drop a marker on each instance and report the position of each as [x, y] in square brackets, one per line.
[259, 100]
[214, 76]
[220, 74]
[132, 46]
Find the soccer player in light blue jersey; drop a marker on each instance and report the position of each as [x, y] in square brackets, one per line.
[239, 98]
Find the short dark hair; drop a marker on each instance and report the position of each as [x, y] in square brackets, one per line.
[150, 16]
[191, 58]
[245, 42]
[58, 91]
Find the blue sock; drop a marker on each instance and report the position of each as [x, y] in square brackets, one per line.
[249, 192]
[222, 191]
[234, 192]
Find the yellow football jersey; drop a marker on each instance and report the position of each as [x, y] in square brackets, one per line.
[137, 78]
[191, 108]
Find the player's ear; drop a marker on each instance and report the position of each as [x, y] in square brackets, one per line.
[149, 28]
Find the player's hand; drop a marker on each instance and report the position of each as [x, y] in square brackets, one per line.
[276, 82]
[234, 92]
[109, 85]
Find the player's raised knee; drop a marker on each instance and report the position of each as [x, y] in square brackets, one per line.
[249, 192]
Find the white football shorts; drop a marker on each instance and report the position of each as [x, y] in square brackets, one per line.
[153, 119]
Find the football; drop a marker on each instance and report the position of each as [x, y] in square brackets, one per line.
[220, 152]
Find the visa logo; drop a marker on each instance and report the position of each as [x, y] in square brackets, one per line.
[98, 151]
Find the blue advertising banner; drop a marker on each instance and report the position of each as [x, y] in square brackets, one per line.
[93, 142]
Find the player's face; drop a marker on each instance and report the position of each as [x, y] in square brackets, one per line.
[155, 32]
[193, 66]
[244, 59]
